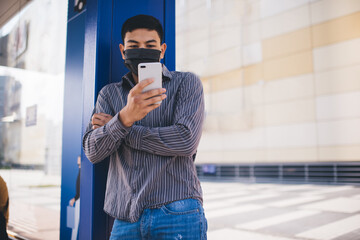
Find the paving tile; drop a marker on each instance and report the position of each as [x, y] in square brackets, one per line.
[334, 229]
[230, 234]
[291, 228]
[279, 219]
[344, 205]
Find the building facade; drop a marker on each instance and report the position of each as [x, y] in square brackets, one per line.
[281, 79]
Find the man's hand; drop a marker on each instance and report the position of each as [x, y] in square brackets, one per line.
[71, 202]
[100, 119]
[140, 104]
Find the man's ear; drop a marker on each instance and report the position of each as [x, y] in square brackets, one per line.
[163, 49]
[122, 48]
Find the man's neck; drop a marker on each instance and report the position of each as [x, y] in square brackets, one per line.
[136, 79]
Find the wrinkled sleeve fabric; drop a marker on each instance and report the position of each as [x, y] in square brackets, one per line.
[182, 138]
[4, 200]
[103, 141]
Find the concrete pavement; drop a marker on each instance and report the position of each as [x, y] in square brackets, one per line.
[282, 212]
[234, 210]
[34, 204]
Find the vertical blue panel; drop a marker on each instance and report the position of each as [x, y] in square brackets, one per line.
[93, 220]
[72, 121]
[169, 29]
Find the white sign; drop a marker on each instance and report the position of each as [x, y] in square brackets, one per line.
[31, 113]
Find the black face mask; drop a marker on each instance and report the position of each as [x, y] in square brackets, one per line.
[133, 57]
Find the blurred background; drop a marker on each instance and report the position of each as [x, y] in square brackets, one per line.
[282, 86]
[32, 66]
[282, 93]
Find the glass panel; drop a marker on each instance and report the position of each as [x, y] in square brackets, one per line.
[32, 62]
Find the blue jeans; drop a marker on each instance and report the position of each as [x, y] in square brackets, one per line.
[182, 219]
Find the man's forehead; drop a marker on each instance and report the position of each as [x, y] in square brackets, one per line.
[142, 35]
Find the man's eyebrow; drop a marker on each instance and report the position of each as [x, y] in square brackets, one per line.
[149, 41]
[132, 41]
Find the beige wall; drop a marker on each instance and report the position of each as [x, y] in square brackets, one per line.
[282, 78]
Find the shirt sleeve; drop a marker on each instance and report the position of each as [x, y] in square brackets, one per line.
[4, 199]
[103, 141]
[183, 137]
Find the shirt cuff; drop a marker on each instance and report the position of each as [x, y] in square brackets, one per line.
[116, 129]
[134, 138]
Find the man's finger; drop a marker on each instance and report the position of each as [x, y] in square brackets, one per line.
[152, 107]
[100, 122]
[96, 121]
[97, 116]
[153, 93]
[141, 85]
[105, 115]
[100, 117]
[154, 100]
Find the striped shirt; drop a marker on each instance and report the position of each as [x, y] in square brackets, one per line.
[151, 162]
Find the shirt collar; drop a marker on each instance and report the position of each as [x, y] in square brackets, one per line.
[128, 80]
[166, 73]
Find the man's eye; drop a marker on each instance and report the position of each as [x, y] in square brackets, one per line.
[133, 46]
[150, 46]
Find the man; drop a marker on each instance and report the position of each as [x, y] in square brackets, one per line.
[77, 186]
[152, 188]
[4, 209]
[76, 200]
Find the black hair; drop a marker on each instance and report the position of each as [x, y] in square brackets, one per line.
[142, 21]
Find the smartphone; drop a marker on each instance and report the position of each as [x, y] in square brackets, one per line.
[151, 70]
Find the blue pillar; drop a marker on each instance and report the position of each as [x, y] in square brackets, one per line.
[101, 63]
[73, 105]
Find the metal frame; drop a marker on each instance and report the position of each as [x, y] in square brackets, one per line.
[72, 119]
[302, 172]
